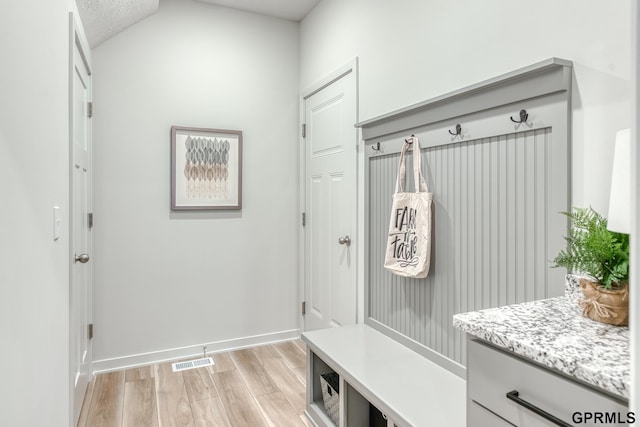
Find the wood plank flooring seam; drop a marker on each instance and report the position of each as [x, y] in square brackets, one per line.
[237, 399]
[277, 410]
[260, 383]
[292, 354]
[199, 384]
[107, 401]
[140, 404]
[171, 395]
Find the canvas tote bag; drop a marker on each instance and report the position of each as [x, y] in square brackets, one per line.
[409, 242]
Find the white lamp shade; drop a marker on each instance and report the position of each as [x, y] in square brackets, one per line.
[619, 219]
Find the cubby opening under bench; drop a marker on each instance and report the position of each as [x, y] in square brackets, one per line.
[407, 388]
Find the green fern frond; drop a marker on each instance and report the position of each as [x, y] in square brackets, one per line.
[593, 249]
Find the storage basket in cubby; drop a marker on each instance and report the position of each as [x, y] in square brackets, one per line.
[330, 384]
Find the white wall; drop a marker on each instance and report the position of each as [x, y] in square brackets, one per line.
[166, 280]
[34, 177]
[413, 50]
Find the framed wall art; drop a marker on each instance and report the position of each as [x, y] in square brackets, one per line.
[206, 169]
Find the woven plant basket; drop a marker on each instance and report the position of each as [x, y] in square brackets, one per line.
[609, 306]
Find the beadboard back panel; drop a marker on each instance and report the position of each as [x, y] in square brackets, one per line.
[498, 188]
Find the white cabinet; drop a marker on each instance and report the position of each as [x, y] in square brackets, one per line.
[503, 388]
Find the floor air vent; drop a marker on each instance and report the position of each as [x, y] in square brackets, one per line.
[191, 364]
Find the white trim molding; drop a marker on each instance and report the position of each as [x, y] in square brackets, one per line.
[142, 359]
[349, 67]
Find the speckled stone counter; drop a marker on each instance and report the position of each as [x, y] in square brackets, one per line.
[553, 333]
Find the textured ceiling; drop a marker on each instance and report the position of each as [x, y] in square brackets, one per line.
[293, 10]
[105, 18]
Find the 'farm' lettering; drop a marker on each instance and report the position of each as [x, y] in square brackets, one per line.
[405, 218]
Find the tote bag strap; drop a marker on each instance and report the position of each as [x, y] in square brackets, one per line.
[417, 167]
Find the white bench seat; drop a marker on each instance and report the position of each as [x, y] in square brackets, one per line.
[404, 385]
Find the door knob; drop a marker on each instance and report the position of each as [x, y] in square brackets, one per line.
[82, 258]
[346, 240]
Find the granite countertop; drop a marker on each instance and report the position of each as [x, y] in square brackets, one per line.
[553, 332]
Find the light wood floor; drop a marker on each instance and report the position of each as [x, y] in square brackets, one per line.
[260, 386]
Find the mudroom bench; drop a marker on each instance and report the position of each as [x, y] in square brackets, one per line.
[382, 379]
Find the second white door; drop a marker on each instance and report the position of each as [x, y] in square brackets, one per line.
[80, 357]
[330, 204]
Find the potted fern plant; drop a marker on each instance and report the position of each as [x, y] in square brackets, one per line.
[604, 256]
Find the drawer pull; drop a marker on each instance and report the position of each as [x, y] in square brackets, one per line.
[515, 396]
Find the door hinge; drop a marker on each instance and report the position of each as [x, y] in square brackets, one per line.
[304, 219]
[90, 330]
[90, 220]
[90, 109]
[303, 308]
[304, 130]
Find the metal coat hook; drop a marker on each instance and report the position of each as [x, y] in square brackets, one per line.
[458, 131]
[376, 147]
[410, 140]
[523, 117]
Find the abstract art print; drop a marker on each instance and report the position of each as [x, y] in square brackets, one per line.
[206, 169]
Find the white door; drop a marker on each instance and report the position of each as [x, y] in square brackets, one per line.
[330, 204]
[80, 286]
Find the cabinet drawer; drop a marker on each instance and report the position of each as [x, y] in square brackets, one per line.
[477, 416]
[492, 373]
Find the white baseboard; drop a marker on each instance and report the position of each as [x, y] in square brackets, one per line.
[142, 359]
